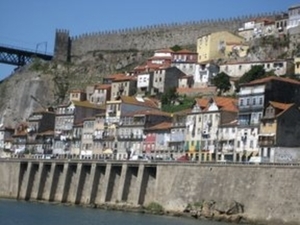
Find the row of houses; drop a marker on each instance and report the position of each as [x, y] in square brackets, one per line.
[262, 121]
[118, 117]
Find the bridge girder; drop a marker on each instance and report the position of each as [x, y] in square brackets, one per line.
[18, 57]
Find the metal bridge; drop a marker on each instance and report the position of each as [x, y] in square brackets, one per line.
[19, 57]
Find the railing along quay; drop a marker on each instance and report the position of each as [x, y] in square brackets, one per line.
[150, 161]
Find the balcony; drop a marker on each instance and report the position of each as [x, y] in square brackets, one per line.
[133, 123]
[111, 120]
[227, 148]
[178, 124]
[112, 114]
[107, 138]
[227, 137]
[266, 143]
[77, 136]
[130, 137]
[98, 137]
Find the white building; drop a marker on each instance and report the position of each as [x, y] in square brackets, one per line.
[238, 69]
[294, 16]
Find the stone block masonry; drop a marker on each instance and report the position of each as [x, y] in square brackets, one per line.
[145, 38]
[268, 193]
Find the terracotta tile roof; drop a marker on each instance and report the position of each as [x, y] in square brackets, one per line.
[89, 118]
[160, 57]
[142, 102]
[148, 68]
[264, 20]
[102, 86]
[124, 78]
[140, 67]
[8, 139]
[203, 91]
[226, 104]
[87, 104]
[185, 76]
[185, 51]
[78, 124]
[6, 128]
[234, 62]
[42, 111]
[114, 76]
[167, 50]
[271, 78]
[202, 102]
[161, 126]
[281, 106]
[47, 133]
[77, 91]
[148, 112]
[20, 134]
[230, 124]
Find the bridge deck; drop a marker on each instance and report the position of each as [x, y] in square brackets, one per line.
[19, 57]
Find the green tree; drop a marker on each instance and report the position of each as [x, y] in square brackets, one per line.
[169, 97]
[222, 82]
[256, 72]
[176, 48]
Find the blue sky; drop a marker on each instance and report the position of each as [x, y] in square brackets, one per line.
[32, 23]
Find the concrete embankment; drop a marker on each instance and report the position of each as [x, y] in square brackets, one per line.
[267, 193]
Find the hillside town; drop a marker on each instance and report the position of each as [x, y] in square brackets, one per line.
[225, 102]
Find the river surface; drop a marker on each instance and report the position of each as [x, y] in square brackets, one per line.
[26, 213]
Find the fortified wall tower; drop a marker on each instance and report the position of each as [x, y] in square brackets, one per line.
[62, 45]
[145, 38]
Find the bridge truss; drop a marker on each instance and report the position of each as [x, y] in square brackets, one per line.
[20, 57]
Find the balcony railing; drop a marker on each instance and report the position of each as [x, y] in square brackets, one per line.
[133, 123]
[178, 124]
[266, 143]
[107, 138]
[97, 137]
[130, 137]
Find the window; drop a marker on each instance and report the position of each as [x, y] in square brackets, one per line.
[241, 102]
[259, 116]
[260, 101]
[248, 101]
[251, 144]
[254, 101]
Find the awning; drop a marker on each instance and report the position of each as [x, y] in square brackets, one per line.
[108, 151]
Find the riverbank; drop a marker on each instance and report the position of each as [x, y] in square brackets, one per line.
[155, 209]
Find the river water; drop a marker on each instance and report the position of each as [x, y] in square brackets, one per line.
[26, 213]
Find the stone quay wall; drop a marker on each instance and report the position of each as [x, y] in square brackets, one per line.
[268, 193]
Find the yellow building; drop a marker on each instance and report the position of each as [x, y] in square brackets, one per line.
[214, 45]
[297, 65]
